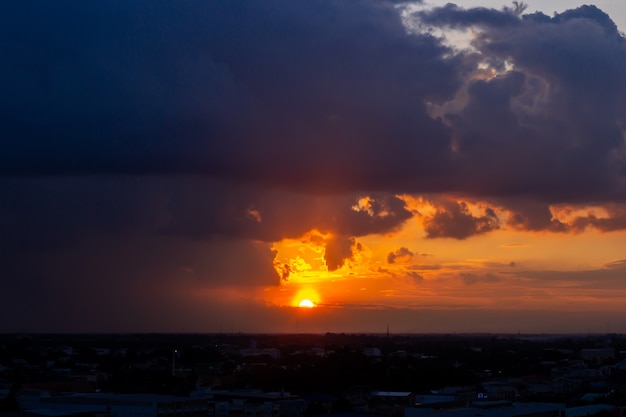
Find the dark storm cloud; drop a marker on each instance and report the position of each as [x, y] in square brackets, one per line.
[453, 219]
[309, 94]
[458, 17]
[54, 213]
[402, 255]
[57, 219]
[59, 212]
[338, 251]
[201, 208]
[317, 96]
[537, 216]
[122, 282]
[552, 129]
[533, 216]
[615, 220]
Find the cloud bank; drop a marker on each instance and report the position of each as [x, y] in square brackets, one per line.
[198, 133]
[317, 96]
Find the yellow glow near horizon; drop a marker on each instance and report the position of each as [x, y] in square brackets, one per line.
[363, 278]
[507, 268]
[306, 296]
[306, 303]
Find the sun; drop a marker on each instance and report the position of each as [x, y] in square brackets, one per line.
[306, 303]
[306, 298]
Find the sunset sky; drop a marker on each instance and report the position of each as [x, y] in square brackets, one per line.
[204, 166]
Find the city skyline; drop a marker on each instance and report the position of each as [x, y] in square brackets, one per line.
[333, 166]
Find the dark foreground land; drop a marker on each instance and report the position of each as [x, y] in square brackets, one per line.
[337, 369]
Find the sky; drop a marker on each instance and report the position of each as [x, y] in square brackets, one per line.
[205, 166]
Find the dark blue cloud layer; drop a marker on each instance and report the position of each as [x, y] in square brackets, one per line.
[320, 92]
[316, 96]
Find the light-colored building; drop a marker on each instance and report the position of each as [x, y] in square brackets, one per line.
[372, 352]
[255, 353]
[597, 355]
[492, 409]
[390, 403]
[499, 390]
[251, 403]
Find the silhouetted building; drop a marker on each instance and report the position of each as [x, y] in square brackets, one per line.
[114, 405]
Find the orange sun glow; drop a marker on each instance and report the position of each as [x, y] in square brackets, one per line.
[306, 297]
[306, 303]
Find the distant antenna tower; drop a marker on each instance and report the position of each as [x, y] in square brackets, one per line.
[174, 353]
